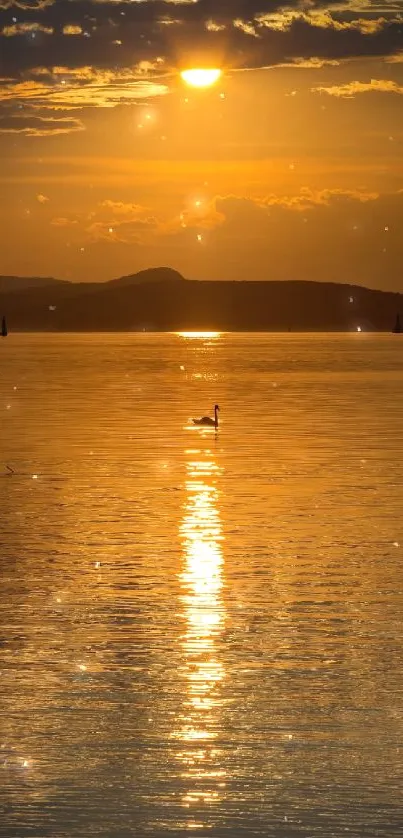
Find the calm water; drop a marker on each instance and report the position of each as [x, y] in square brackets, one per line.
[201, 633]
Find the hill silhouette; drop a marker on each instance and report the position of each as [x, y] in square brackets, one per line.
[162, 300]
[149, 275]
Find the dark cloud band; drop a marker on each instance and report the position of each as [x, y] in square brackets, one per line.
[235, 33]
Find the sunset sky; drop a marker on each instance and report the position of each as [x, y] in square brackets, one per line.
[289, 167]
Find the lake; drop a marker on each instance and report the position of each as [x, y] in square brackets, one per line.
[201, 632]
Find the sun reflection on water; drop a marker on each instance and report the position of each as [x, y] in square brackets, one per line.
[203, 610]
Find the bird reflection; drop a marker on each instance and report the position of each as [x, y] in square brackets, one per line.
[203, 610]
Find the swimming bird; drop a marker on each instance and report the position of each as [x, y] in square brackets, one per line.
[207, 420]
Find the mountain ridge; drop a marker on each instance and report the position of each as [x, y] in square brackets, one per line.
[160, 299]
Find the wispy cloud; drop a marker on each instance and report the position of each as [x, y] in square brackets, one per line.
[246, 27]
[198, 216]
[353, 88]
[39, 126]
[83, 87]
[28, 5]
[25, 29]
[283, 20]
[111, 221]
[312, 63]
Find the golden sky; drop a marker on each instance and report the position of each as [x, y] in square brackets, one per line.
[289, 167]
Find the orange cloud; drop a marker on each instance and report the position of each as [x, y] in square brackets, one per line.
[112, 221]
[37, 5]
[84, 87]
[120, 209]
[196, 217]
[25, 29]
[282, 21]
[313, 63]
[308, 198]
[124, 232]
[71, 29]
[246, 27]
[353, 88]
[212, 26]
[214, 214]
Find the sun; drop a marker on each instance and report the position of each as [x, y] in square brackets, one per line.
[198, 334]
[200, 78]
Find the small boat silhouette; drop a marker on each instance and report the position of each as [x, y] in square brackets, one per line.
[4, 331]
[397, 327]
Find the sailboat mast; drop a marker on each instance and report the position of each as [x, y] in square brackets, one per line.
[398, 323]
[398, 327]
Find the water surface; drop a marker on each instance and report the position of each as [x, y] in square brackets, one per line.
[200, 632]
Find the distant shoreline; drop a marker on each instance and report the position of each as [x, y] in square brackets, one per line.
[196, 330]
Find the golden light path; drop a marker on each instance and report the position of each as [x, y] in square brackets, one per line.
[198, 334]
[198, 77]
[203, 609]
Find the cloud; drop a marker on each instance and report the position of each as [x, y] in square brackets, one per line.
[111, 221]
[240, 33]
[43, 199]
[283, 20]
[353, 88]
[332, 235]
[246, 27]
[125, 222]
[62, 88]
[198, 216]
[313, 63]
[213, 213]
[122, 210]
[25, 29]
[35, 5]
[212, 26]
[38, 126]
[309, 199]
[71, 29]
[219, 213]
[127, 231]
